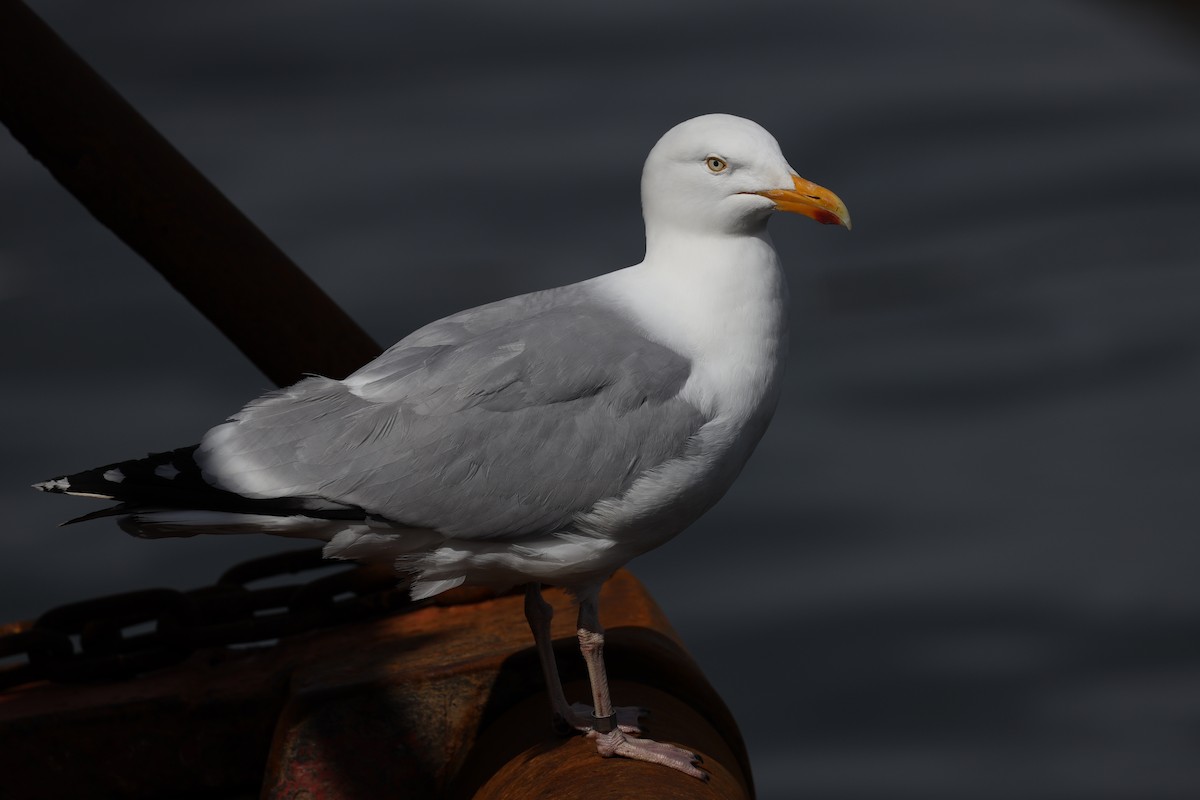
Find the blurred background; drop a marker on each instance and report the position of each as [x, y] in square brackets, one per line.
[962, 563]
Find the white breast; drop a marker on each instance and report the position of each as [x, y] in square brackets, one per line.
[724, 305]
[722, 302]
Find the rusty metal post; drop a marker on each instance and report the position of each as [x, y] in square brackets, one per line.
[463, 715]
[134, 182]
[443, 701]
[515, 759]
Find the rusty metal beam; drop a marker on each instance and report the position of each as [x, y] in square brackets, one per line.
[515, 760]
[442, 701]
[139, 186]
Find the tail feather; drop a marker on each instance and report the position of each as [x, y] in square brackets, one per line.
[112, 511]
[173, 475]
[173, 480]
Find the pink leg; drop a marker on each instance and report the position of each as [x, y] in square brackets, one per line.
[610, 739]
[568, 717]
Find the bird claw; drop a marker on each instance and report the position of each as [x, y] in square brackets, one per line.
[617, 743]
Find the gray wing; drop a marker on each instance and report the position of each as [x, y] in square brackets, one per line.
[498, 422]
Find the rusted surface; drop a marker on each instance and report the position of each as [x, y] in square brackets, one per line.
[517, 758]
[420, 703]
[463, 675]
[204, 724]
[134, 182]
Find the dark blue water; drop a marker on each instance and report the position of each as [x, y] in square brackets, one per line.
[962, 563]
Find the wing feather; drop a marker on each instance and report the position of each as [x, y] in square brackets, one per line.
[498, 422]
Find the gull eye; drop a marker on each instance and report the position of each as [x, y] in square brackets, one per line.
[716, 164]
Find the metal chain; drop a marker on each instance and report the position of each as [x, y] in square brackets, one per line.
[123, 635]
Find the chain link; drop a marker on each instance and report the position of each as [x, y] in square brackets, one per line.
[123, 635]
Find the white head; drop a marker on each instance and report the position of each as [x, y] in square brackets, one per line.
[723, 174]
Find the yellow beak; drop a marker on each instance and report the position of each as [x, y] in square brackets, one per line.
[810, 200]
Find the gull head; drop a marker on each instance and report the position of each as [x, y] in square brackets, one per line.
[723, 174]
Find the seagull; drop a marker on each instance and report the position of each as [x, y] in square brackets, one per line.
[545, 439]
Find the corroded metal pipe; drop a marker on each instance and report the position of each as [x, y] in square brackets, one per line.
[515, 759]
[439, 701]
[466, 717]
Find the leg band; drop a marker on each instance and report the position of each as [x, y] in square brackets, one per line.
[604, 724]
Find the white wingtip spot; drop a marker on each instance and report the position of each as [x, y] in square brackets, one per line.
[114, 476]
[56, 485]
[167, 471]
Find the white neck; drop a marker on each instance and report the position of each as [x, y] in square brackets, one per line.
[721, 300]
